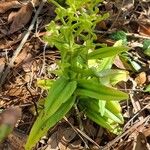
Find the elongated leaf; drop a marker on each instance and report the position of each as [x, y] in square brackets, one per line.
[99, 91]
[93, 105]
[111, 116]
[54, 91]
[40, 128]
[99, 120]
[107, 95]
[106, 63]
[113, 106]
[113, 76]
[62, 97]
[101, 104]
[107, 52]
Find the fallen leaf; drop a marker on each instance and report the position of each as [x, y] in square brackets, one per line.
[22, 56]
[4, 6]
[8, 43]
[53, 142]
[141, 78]
[141, 142]
[11, 17]
[21, 18]
[101, 25]
[144, 29]
[16, 91]
[146, 131]
[67, 136]
[2, 65]
[16, 140]
[125, 145]
[3, 32]
[76, 145]
[119, 63]
[35, 2]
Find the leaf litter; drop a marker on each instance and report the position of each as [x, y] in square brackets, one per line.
[20, 88]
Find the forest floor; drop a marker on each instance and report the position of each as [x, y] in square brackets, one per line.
[25, 57]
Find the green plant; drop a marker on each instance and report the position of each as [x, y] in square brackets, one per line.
[119, 35]
[82, 65]
[146, 47]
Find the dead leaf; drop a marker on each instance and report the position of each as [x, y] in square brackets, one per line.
[76, 145]
[101, 25]
[141, 142]
[119, 63]
[3, 32]
[141, 78]
[16, 91]
[90, 129]
[125, 145]
[22, 56]
[144, 29]
[67, 136]
[7, 44]
[2, 65]
[35, 2]
[10, 116]
[53, 142]
[11, 16]
[16, 140]
[4, 6]
[146, 131]
[21, 18]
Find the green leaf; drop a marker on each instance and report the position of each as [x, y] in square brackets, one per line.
[62, 97]
[41, 127]
[146, 44]
[93, 110]
[147, 88]
[44, 83]
[105, 63]
[147, 52]
[119, 35]
[93, 104]
[54, 91]
[101, 104]
[112, 116]
[113, 76]
[104, 122]
[106, 52]
[146, 47]
[5, 130]
[99, 119]
[96, 90]
[135, 65]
